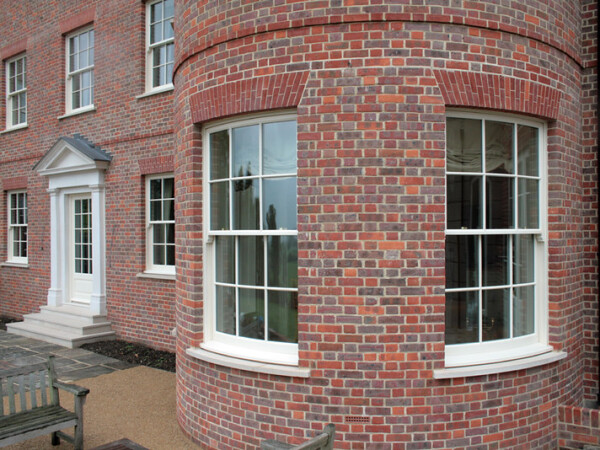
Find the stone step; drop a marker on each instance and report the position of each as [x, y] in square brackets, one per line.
[57, 336]
[70, 312]
[69, 324]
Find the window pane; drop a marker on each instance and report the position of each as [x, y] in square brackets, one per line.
[170, 233]
[245, 151]
[282, 260]
[156, 32]
[499, 202]
[219, 155]
[496, 314]
[283, 316]
[462, 263]
[279, 203]
[156, 189]
[225, 303]
[158, 233]
[169, 210]
[245, 205]
[523, 257]
[463, 145]
[219, 206]
[252, 313]
[170, 249]
[528, 203]
[494, 256]
[462, 317]
[464, 208]
[155, 210]
[225, 259]
[523, 310]
[499, 147]
[251, 261]
[279, 148]
[158, 254]
[528, 150]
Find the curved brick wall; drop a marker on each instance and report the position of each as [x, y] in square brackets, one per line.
[371, 85]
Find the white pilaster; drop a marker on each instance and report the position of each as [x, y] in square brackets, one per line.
[98, 295]
[56, 290]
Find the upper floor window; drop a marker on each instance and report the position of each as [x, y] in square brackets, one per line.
[160, 224]
[495, 239]
[252, 242]
[16, 92]
[159, 44]
[17, 226]
[80, 71]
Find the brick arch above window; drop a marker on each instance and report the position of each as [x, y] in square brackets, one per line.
[492, 91]
[251, 95]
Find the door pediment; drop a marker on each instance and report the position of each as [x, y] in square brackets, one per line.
[72, 154]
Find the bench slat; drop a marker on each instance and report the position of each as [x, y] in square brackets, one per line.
[34, 419]
[43, 388]
[2, 398]
[22, 395]
[10, 387]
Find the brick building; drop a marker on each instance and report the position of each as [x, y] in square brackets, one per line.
[377, 214]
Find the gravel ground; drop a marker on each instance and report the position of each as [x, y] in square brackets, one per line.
[125, 351]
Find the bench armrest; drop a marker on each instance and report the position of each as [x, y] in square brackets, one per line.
[78, 391]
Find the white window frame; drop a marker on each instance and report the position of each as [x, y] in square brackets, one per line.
[150, 46]
[13, 96]
[13, 227]
[151, 267]
[513, 348]
[264, 352]
[71, 74]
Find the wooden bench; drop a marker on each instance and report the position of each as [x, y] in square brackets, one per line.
[30, 406]
[322, 441]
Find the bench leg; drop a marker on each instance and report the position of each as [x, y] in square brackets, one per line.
[55, 439]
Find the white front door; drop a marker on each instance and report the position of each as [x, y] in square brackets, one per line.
[80, 248]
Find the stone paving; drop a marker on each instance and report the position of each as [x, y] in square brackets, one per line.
[71, 364]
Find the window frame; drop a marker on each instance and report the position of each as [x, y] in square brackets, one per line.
[71, 74]
[512, 348]
[12, 96]
[151, 267]
[150, 46]
[12, 228]
[244, 348]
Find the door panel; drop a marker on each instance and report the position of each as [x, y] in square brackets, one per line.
[80, 244]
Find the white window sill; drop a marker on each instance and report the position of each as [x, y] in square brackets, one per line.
[21, 126]
[500, 367]
[155, 91]
[76, 112]
[250, 366]
[156, 275]
[23, 265]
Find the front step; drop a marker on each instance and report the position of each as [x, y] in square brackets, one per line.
[69, 326]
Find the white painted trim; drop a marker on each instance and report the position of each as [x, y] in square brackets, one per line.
[156, 91]
[156, 275]
[9, 95]
[76, 112]
[248, 365]
[149, 89]
[69, 110]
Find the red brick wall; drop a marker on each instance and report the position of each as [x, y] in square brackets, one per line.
[578, 427]
[371, 194]
[130, 128]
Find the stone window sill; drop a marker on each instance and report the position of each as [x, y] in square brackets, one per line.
[14, 264]
[160, 90]
[77, 112]
[22, 126]
[500, 367]
[157, 275]
[251, 366]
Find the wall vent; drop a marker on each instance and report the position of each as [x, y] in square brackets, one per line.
[357, 419]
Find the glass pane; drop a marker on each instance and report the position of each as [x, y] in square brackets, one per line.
[76, 100]
[156, 12]
[156, 57]
[155, 210]
[464, 202]
[78, 266]
[279, 203]
[251, 267]
[499, 147]
[225, 301]
[528, 150]
[462, 317]
[23, 249]
[169, 210]
[499, 202]
[524, 261]
[463, 145]
[246, 206]
[219, 206]
[225, 259]
[170, 56]
[528, 203]
[156, 32]
[283, 316]
[219, 155]
[158, 233]
[496, 314]
[252, 313]
[523, 311]
[282, 260]
[85, 97]
[244, 142]
[159, 254]
[170, 249]
[279, 147]
[462, 263]
[168, 9]
[168, 187]
[494, 263]
[170, 233]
